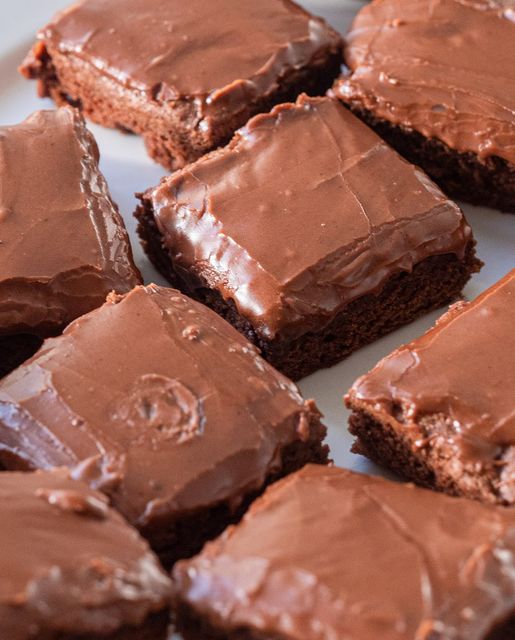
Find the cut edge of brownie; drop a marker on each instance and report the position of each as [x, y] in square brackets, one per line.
[425, 456]
[16, 349]
[192, 625]
[462, 176]
[68, 80]
[433, 282]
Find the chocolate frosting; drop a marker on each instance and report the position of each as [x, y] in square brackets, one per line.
[462, 369]
[441, 67]
[63, 569]
[222, 53]
[305, 210]
[63, 245]
[156, 401]
[329, 554]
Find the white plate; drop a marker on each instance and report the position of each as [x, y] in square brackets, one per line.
[128, 170]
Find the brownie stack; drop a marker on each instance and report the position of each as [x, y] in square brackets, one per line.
[145, 429]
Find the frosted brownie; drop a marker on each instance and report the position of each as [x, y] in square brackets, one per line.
[441, 410]
[161, 404]
[309, 234]
[63, 244]
[436, 80]
[184, 75]
[71, 568]
[327, 553]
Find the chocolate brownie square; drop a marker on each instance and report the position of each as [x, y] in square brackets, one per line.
[437, 81]
[63, 244]
[158, 402]
[309, 234]
[184, 75]
[327, 553]
[441, 410]
[72, 568]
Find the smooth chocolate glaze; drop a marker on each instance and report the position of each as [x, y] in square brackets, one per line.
[441, 67]
[63, 244]
[221, 53]
[327, 553]
[70, 565]
[305, 210]
[158, 402]
[463, 370]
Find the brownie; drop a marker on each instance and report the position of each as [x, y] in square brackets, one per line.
[161, 404]
[440, 410]
[328, 553]
[63, 244]
[65, 574]
[309, 234]
[436, 80]
[185, 76]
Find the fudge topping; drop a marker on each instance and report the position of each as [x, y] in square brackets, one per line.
[441, 67]
[219, 51]
[63, 568]
[462, 369]
[305, 210]
[155, 400]
[63, 246]
[328, 553]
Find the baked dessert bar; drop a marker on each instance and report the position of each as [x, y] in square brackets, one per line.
[71, 568]
[159, 403]
[327, 553]
[309, 234]
[436, 80]
[441, 410]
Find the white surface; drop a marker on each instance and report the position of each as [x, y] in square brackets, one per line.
[128, 170]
